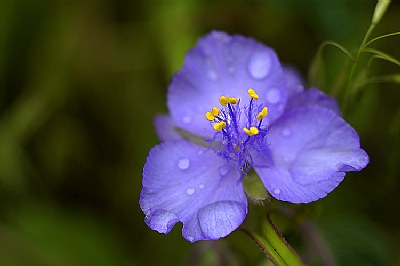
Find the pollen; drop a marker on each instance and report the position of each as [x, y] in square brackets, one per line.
[232, 100]
[215, 111]
[210, 116]
[252, 94]
[252, 131]
[219, 126]
[223, 100]
[263, 113]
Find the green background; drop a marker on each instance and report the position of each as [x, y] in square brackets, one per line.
[80, 84]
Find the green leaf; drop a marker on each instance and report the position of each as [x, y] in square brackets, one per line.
[394, 78]
[381, 37]
[316, 72]
[266, 248]
[382, 55]
[278, 242]
[274, 246]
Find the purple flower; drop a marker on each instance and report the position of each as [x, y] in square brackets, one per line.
[218, 129]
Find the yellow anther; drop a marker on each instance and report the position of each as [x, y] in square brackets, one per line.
[263, 113]
[251, 132]
[252, 94]
[215, 111]
[223, 100]
[210, 116]
[232, 100]
[219, 126]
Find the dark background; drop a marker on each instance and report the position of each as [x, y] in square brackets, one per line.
[80, 83]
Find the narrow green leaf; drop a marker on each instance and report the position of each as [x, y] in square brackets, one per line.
[274, 246]
[316, 72]
[278, 242]
[266, 248]
[339, 46]
[395, 78]
[381, 37]
[382, 55]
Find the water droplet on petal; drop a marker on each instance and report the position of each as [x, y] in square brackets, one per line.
[286, 132]
[186, 119]
[231, 69]
[259, 65]
[277, 190]
[223, 171]
[190, 238]
[190, 191]
[212, 75]
[273, 96]
[201, 186]
[183, 163]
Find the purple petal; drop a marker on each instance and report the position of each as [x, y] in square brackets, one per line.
[294, 82]
[313, 97]
[311, 149]
[224, 65]
[165, 128]
[185, 182]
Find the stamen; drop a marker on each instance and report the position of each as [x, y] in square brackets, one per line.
[252, 94]
[232, 100]
[252, 131]
[219, 126]
[223, 100]
[228, 120]
[263, 113]
[215, 111]
[210, 116]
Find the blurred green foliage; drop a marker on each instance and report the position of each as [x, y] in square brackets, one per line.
[80, 82]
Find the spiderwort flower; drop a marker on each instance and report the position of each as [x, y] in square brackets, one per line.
[233, 107]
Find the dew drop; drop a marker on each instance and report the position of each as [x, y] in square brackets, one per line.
[273, 96]
[190, 191]
[186, 119]
[212, 75]
[277, 190]
[223, 171]
[286, 132]
[183, 164]
[201, 186]
[190, 238]
[259, 65]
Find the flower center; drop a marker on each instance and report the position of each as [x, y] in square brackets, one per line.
[238, 130]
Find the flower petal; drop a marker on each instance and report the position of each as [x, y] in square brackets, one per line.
[311, 149]
[185, 182]
[294, 82]
[165, 128]
[224, 65]
[313, 97]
